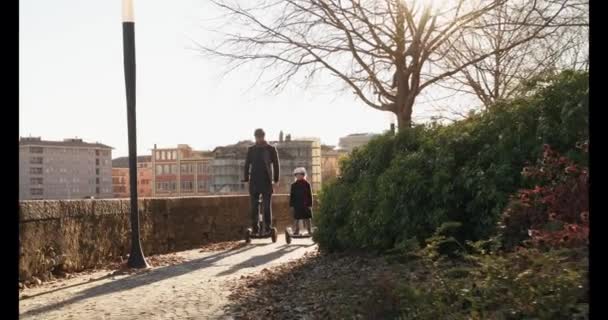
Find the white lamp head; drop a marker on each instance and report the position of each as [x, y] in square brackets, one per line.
[127, 11]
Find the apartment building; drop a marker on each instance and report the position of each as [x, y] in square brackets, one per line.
[68, 169]
[229, 163]
[228, 166]
[330, 162]
[355, 140]
[300, 152]
[180, 171]
[120, 177]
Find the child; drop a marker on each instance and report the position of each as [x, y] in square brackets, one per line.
[300, 200]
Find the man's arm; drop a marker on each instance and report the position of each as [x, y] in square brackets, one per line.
[275, 164]
[247, 165]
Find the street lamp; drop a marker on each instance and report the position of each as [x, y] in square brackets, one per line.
[136, 258]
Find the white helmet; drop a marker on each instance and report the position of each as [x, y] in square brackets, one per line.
[300, 170]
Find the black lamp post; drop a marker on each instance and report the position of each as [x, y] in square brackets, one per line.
[136, 258]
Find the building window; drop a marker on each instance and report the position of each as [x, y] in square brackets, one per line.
[96, 180]
[97, 190]
[163, 155]
[36, 181]
[36, 150]
[36, 191]
[35, 170]
[96, 162]
[166, 169]
[157, 155]
[159, 169]
[97, 153]
[36, 160]
[174, 155]
[174, 169]
[186, 168]
[97, 171]
[166, 186]
[187, 186]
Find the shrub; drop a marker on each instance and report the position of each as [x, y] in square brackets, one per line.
[527, 284]
[555, 213]
[402, 187]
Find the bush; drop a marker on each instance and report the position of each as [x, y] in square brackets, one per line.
[555, 213]
[527, 284]
[402, 187]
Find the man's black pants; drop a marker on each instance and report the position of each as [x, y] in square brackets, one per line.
[266, 204]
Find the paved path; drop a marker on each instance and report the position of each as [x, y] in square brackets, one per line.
[194, 289]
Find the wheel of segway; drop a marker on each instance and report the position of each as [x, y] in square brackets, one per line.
[287, 236]
[273, 235]
[248, 236]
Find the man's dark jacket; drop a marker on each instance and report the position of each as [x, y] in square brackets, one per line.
[263, 161]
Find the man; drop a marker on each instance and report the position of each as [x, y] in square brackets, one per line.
[260, 158]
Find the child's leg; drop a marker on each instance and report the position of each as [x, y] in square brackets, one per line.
[297, 226]
[309, 225]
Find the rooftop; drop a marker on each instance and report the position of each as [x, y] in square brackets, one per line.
[361, 134]
[69, 142]
[123, 162]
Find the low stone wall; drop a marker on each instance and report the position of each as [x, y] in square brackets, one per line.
[73, 235]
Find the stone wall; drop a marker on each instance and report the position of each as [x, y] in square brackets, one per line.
[73, 235]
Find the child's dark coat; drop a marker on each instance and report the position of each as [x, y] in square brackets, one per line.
[300, 198]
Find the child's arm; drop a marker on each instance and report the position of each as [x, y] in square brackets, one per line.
[309, 192]
[291, 197]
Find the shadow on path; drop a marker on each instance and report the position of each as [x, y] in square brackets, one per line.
[142, 279]
[66, 287]
[261, 259]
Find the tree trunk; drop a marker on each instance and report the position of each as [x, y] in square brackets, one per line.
[404, 118]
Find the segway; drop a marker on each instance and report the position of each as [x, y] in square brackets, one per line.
[272, 233]
[289, 235]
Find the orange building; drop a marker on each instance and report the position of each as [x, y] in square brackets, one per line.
[330, 162]
[180, 171]
[120, 177]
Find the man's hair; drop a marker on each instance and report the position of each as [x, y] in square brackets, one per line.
[259, 133]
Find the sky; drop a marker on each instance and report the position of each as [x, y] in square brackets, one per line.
[72, 82]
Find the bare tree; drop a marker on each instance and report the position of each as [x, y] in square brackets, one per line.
[386, 51]
[560, 41]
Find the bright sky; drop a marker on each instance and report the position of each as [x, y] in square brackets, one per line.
[72, 82]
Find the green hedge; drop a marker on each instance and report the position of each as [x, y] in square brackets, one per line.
[400, 188]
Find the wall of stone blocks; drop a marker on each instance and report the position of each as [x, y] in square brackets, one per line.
[74, 235]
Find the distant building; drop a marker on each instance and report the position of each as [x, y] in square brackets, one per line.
[68, 169]
[229, 164]
[180, 171]
[228, 167]
[355, 140]
[120, 177]
[330, 162]
[300, 152]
